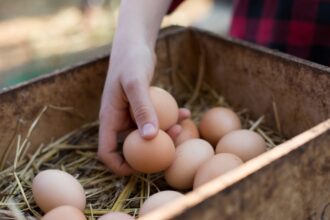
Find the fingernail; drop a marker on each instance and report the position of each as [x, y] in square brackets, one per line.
[148, 129]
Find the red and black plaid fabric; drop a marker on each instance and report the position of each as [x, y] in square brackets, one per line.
[297, 27]
[174, 5]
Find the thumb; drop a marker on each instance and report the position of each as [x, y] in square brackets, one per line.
[142, 108]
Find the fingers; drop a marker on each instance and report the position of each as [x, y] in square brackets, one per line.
[121, 136]
[174, 131]
[184, 113]
[111, 121]
[115, 162]
[137, 93]
[108, 154]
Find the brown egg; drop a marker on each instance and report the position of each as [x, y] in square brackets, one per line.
[166, 107]
[116, 216]
[217, 122]
[149, 156]
[243, 143]
[157, 200]
[64, 213]
[189, 156]
[216, 166]
[189, 131]
[54, 188]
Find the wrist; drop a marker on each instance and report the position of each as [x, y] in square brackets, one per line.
[129, 54]
[137, 36]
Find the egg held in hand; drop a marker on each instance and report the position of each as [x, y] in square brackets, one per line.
[64, 213]
[54, 188]
[217, 122]
[189, 156]
[166, 107]
[243, 143]
[189, 131]
[149, 156]
[216, 166]
[157, 200]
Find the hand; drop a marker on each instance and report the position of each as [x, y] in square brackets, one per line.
[129, 76]
[128, 81]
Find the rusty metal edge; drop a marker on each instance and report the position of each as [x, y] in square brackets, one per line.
[62, 71]
[51, 75]
[253, 46]
[48, 76]
[263, 49]
[168, 31]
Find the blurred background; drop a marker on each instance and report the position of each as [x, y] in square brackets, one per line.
[40, 36]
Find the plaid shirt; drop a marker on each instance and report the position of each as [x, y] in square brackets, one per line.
[297, 27]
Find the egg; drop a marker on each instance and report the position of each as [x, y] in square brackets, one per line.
[243, 143]
[149, 156]
[189, 156]
[157, 200]
[64, 213]
[54, 188]
[116, 216]
[216, 166]
[166, 107]
[189, 131]
[217, 122]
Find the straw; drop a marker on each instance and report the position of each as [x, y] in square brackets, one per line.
[277, 118]
[15, 212]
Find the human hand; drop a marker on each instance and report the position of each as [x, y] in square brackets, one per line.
[130, 72]
[127, 85]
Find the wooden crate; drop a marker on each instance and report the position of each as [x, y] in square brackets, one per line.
[291, 181]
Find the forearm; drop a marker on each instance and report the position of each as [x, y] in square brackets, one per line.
[139, 21]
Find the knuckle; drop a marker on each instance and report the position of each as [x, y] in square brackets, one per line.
[104, 116]
[104, 109]
[101, 114]
[141, 113]
[131, 85]
[99, 155]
